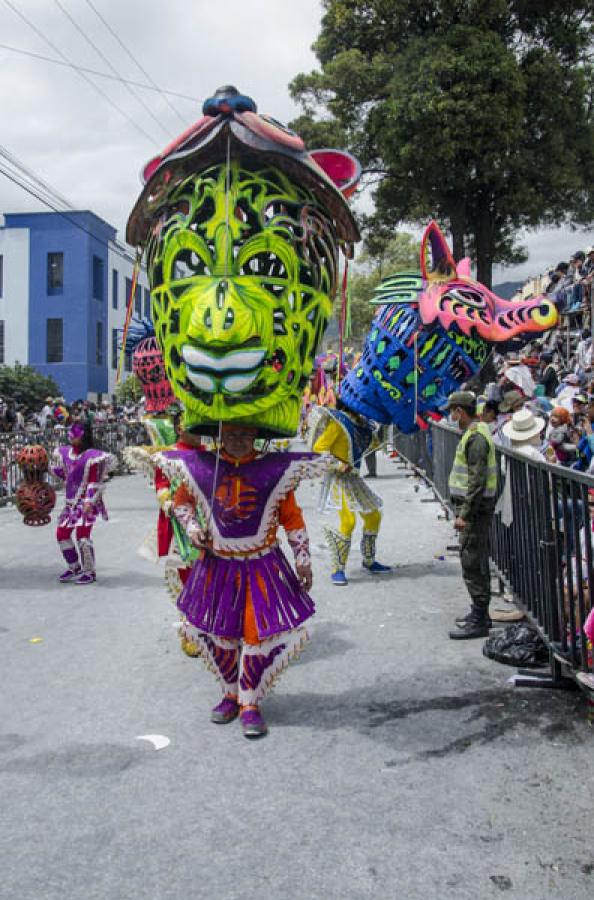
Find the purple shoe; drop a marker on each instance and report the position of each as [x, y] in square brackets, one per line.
[252, 723]
[225, 711]
[86, 578]
[69, 575]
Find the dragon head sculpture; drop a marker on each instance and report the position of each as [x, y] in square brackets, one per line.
[242, 227]
[432, 332]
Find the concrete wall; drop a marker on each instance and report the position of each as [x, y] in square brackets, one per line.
[27, 304]
[116, 316]
[14, 302]
[78, 236]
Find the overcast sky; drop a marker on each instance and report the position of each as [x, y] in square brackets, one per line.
[56, 124]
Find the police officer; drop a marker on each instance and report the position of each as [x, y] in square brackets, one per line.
[473, 485]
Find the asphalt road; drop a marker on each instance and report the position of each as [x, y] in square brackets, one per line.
[399, 764]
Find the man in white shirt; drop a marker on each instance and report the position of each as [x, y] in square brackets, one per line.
[583, 355]
[46, 413]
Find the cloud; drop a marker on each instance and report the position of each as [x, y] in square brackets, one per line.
[60, 127]
[546, 247]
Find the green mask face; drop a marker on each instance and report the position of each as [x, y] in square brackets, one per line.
[243, 271]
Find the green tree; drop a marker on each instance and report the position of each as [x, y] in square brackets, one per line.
[479, 113]
[129, 391]
[25, 385]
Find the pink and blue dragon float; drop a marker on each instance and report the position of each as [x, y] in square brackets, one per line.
[433, 331]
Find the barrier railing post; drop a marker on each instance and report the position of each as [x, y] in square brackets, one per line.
[113, 437]
[544, 557]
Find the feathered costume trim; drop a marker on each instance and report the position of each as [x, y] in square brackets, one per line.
[256, 679]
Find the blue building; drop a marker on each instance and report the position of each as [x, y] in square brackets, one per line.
[64, 283]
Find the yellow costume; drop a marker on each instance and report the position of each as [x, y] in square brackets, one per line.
[348, 437]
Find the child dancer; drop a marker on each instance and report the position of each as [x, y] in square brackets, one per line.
[83, 469]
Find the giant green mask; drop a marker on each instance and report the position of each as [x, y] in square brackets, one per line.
[242, 253]
[242, 275]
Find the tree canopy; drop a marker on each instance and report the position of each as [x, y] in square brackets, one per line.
[476, 112]
[26, 385]
[129, 391]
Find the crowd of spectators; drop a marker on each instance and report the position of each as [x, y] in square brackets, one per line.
[56, 413]
[570, 285]
[542, 386]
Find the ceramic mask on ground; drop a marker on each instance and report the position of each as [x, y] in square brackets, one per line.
[432, 332]
[242, 228]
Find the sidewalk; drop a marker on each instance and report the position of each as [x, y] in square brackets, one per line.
[399, 764]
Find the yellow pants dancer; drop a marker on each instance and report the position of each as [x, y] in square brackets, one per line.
[348, 436]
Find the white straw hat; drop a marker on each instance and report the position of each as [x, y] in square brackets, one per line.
[523, 426]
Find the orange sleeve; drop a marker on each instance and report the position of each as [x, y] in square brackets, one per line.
[183, 497]
[290, 515]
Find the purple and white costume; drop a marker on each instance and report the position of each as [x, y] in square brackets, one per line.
[83, 474]
[245, 607]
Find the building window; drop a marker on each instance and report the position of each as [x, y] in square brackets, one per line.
[1, 275]
[55, 273]
[147, 303]
[127, 362]
[97, 278]
[114, 288]
[138, 301]
[114, 348]
[55, 341]
[99, 343]
[128, 290]
[1, 339]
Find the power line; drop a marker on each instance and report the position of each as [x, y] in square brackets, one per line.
[134, 60]
[26, 181]
[107, 62]
[71, 65]
[30, 174]
[114, 246]
[82, 74]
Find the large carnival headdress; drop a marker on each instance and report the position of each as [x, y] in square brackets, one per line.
[148, 365]
[242, 226]
[432, 332]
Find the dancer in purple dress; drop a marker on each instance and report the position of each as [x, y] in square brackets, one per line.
[84, 470]
[245, 606]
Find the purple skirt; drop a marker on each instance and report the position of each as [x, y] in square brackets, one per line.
[214, 596]
[73, 515]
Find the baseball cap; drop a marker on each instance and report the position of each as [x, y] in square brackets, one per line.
[510, 400]
[465, 399]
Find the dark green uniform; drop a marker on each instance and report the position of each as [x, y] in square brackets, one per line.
[477, 511]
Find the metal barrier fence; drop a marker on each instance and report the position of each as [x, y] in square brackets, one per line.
[113, 437]
[541, 545]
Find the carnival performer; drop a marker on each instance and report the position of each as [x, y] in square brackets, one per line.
[347, 436]
[245, 607]
[84, 469]
[164, 492]
[177, 566]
